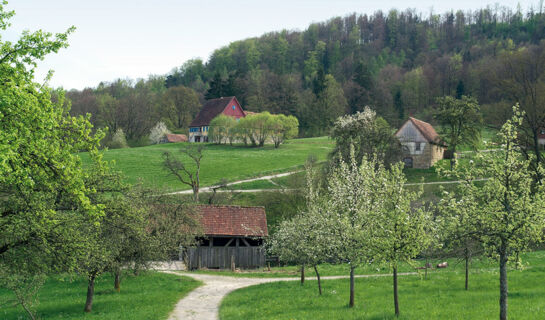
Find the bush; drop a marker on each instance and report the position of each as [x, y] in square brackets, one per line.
[157, 133]
[119, 141]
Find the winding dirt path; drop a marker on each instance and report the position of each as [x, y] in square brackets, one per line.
[203, 303]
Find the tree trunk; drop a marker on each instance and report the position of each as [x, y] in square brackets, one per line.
[302, 274]
[196, 193]
[396, 301]
[90, 293]
[319, 282]
[117, 281]
[426, 268]
[503, 286]
[467, 268]
[351, 303]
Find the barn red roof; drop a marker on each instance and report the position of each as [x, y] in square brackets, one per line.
[170, 137]
[210, 110]
[427, 131]
[233, 221]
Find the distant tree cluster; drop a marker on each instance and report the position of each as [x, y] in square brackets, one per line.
[399, 62]
[254, 129]
[135, 108]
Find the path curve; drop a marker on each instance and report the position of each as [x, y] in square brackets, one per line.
[203, 303]
[211, 188]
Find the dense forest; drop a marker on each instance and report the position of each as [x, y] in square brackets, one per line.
[398, 63]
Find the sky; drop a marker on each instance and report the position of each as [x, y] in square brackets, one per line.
[134, 38]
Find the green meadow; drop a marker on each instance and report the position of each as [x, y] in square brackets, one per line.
[439, 296]
[151, 295]
[220, 162]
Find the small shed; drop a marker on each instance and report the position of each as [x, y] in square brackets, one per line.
[232, 235]
[174, 138]
[422, 146]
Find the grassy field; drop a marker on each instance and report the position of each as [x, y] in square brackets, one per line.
[151, 295]
[231, 163]
[440, 296]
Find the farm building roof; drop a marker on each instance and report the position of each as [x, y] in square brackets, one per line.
[427, 131]
[170, 137]
[210, 110]
[233, 221]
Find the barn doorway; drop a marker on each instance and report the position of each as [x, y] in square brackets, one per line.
[408, 161]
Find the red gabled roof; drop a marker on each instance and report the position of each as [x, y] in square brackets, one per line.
[233, 221]
[210, 110]
[426, 130]
[176, 137]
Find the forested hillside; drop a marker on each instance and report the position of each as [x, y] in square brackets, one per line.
[397, 63]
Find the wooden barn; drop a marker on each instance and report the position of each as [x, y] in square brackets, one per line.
[233, 237]
[422, 146]
[229, 106]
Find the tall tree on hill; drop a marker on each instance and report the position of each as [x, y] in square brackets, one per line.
[460, 121]
[522, 78]
[221, 86]
[180, 105]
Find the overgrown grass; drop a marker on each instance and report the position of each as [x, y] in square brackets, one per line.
[440, 296]
[220, 162]
[151, 295]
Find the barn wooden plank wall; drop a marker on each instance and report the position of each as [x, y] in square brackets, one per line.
[221, 257]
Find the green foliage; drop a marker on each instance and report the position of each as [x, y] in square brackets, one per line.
[460, 121]
[150, 295]
[369, 135]
[509, 213]
[222, 129]
[119, 140]
[179, 106]
[42, 185]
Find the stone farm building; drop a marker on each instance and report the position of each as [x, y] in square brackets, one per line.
[229, 106]
[422, 146]
[233, 236]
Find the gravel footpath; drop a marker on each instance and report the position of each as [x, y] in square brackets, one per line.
[203, 303]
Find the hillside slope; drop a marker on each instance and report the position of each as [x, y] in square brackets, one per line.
[219, 162]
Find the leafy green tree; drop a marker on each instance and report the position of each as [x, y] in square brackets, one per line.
[222, 129]
[305, 239]
[180, 105]
[369, 135]
[350, 204]
[282, 127]
[459, 228]
[328, 105]
[402, 233]
[42, 188]
[460, 121]
[521, 78]
[510, 211]
[119, 140]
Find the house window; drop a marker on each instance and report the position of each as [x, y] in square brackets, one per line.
[233, 107]
[417, 147]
